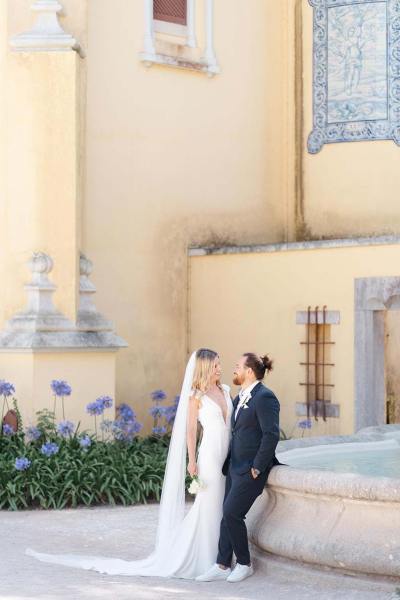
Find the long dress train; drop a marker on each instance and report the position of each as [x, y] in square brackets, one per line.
[192, 549]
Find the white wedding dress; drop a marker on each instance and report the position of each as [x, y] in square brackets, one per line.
[187, 545]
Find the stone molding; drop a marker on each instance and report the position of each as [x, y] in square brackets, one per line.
[332, 317]
[382, 240]
[331, 410]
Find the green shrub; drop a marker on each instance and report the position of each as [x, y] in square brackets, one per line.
[53, 465]
[103, 473]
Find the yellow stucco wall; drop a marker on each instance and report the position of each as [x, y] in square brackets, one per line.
[248, 302]
[132, 165]
[168, 157]
[175, 158]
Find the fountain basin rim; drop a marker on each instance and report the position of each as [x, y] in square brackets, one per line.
[329, 483]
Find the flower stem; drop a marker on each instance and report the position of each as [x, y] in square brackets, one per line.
[2, 416]
[62, 398]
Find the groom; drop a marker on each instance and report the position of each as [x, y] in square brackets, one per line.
[255, 434]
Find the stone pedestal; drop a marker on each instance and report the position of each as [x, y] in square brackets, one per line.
[40, 344]
[46, 33]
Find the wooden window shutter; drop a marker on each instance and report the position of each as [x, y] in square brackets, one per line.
[172, 11]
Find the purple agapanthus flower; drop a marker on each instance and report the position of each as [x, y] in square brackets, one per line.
[305, 424]
[106, 425]
[125, 430]
[125, 412]
[126, 426]
[159, 430]
[8, 430]
[170, 411]
[170, 414]
[156, 411]
[65, 428]
[105, 401]
[158, 395]
[6, 388]
[118, 424]
[22, 463]
[33, 433]
[134, 427]
[95, 408]
[120, 435]
[49, 449]
[60, 388]
[85, 441]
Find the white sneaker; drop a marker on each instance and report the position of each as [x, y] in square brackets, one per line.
[240, 572]
[214, 574]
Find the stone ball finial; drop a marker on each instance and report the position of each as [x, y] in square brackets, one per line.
[40, 263]
[85, 265]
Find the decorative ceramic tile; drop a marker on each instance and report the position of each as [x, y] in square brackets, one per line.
[356, 73]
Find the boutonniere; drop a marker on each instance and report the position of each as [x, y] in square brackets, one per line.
[245, 401]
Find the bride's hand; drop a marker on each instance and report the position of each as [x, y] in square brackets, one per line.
[192, 469]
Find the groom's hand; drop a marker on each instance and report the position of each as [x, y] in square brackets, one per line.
[255, 473]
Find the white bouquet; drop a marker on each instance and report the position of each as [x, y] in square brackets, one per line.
[195, 485]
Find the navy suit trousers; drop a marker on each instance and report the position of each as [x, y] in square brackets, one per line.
[240, 494]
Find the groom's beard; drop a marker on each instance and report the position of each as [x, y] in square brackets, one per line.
[237, 380]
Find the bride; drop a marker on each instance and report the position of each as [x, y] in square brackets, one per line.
[186, 545]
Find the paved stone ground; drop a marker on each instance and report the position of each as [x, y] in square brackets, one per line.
[128, 533]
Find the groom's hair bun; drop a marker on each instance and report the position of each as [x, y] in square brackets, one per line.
[259, 364]
[267, 362]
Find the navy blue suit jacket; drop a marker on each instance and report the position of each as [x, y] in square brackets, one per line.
[255, 433]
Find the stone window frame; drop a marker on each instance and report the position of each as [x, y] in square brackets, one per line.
[332, 317]
[181, 55]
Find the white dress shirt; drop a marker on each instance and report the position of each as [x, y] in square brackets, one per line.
[245, 395]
